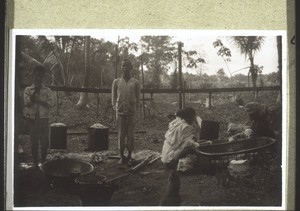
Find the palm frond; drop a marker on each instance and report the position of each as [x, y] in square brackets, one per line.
[62, 70]
[44, 47]
[258, 43]
[50, 60]
[241, 43]
[248, 45]
[53, 78]
[28, 61]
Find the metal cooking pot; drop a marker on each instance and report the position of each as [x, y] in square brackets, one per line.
[64, 171]
[94, 190]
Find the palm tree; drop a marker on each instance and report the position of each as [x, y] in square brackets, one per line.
[56, 57]
[248, 46]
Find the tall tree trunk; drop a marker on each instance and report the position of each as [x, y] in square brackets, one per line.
[117, 58]
[253, 74]
[279, 51]
[101, 78]
[82, 102]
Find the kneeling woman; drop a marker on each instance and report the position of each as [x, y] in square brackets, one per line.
[178, 138]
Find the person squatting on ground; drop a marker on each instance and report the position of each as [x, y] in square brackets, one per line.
[178, 139]
[259, 117]
[38, 100]
[125, 101]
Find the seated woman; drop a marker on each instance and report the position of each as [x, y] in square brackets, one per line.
[178, 139]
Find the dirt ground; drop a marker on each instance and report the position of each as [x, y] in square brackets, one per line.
[143, 188]
[262, 187]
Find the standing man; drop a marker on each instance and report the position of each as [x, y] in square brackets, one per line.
[125, 100]
[37, 101]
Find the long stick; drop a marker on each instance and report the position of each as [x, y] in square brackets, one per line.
[57, 99]
[141, 164]
[118, 177]
[180, 75]
[98, 104]
[143, 82]
[131, 170]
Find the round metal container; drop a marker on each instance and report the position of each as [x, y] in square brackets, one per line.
[62, 172]
[58, 136]
[93, 190]
[97, 139]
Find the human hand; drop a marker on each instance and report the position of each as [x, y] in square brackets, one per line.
[196, 145]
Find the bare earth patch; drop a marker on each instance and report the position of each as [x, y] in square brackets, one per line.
[146, 186]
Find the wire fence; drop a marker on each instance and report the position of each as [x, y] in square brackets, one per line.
[146, 102]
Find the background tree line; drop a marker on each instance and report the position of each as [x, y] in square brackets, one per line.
[66, 62]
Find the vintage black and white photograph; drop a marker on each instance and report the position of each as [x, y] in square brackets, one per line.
[147, 118]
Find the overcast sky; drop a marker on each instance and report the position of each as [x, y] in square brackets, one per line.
[199, 40]
[203, 43]
[267, 57]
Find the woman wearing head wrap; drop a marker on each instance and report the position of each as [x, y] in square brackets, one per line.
[178, 138]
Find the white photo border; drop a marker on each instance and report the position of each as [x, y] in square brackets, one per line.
[83, 32]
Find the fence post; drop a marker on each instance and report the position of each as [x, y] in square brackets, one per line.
[179, 75]
[209, 100]
[57, 103]
[190, 98]
[143, 83]
[98, 104]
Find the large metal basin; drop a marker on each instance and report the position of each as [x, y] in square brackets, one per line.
[237, 147]
[225, 152]
[66, 168]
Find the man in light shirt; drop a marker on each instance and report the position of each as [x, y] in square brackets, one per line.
[125, 101]
[38, 100]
